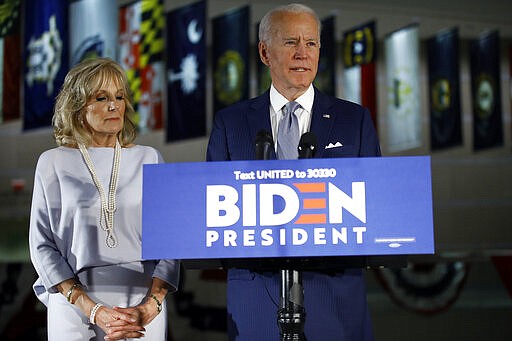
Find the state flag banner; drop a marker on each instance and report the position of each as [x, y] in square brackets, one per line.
[186, 72]
[141, 49]
[401, 52]
[230, 57]
[263, 72]
[93, 29]
[46, 59]
[10, 60]
[486, 91]
[359, 74]
[444, 89]
[325, 79]
[359, 45]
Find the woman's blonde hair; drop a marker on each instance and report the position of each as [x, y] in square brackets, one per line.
[81, 84]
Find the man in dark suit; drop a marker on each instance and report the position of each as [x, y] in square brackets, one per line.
[335, 302]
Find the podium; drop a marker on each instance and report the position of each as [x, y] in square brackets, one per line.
[289, 215]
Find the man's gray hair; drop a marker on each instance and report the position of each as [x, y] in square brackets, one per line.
[267, 25]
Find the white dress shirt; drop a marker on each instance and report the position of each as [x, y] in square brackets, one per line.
[277, 102]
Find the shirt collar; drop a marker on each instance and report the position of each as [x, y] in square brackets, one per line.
[277, 101]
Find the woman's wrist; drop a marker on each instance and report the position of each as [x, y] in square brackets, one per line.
[74, 292]
[157, 302]
[92, 314]
[157, 294]
[83, 302]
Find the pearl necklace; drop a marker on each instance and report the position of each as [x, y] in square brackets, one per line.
[108, 205]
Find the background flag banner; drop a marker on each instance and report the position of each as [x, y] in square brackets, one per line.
[45, 59]
[486, 91]
[369, 90]
[444, 89]
[93, 29]
[359, 45]
[186, 72]
[10, 60]
[141, 46]
[325, 78]
[401, 50]
[263, 72]
[352, 84]
[230, 57]
[359, 76]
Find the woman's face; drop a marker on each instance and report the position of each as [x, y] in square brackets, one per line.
[104, 114]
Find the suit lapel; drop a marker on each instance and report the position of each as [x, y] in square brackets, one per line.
[322, 121]
[258, 116]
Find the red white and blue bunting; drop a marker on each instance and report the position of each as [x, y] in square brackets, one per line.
[425, 287]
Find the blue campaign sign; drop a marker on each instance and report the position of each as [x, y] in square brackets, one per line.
[288, 208]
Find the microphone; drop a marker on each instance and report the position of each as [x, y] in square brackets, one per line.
[263, 145]
[307, 145]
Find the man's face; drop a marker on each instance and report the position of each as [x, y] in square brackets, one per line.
[292, 55]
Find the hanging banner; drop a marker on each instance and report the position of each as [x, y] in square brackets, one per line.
[263, 72]
[444, 90]
[369, 90]
[93, 29]
[359, 76]
[325, 79]
[359, 45]
[352, 84]
[401, 49]
[10, 60]
[230, 57]
[186, 72]
[45, 59]
[486, 91]
[141, 46]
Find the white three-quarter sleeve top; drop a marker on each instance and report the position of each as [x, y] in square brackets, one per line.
[65, 237]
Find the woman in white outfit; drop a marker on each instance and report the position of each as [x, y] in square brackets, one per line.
[85, 226]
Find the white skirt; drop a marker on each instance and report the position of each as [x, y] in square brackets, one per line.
[123, 285]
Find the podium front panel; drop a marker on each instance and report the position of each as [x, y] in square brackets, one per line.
[288, 208]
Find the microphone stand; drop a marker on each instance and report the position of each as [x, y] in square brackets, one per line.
[291, 316]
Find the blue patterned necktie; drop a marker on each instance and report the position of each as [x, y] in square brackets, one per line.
[288, 133]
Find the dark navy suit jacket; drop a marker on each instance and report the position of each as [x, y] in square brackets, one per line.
[335, 304]
[333, 120]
